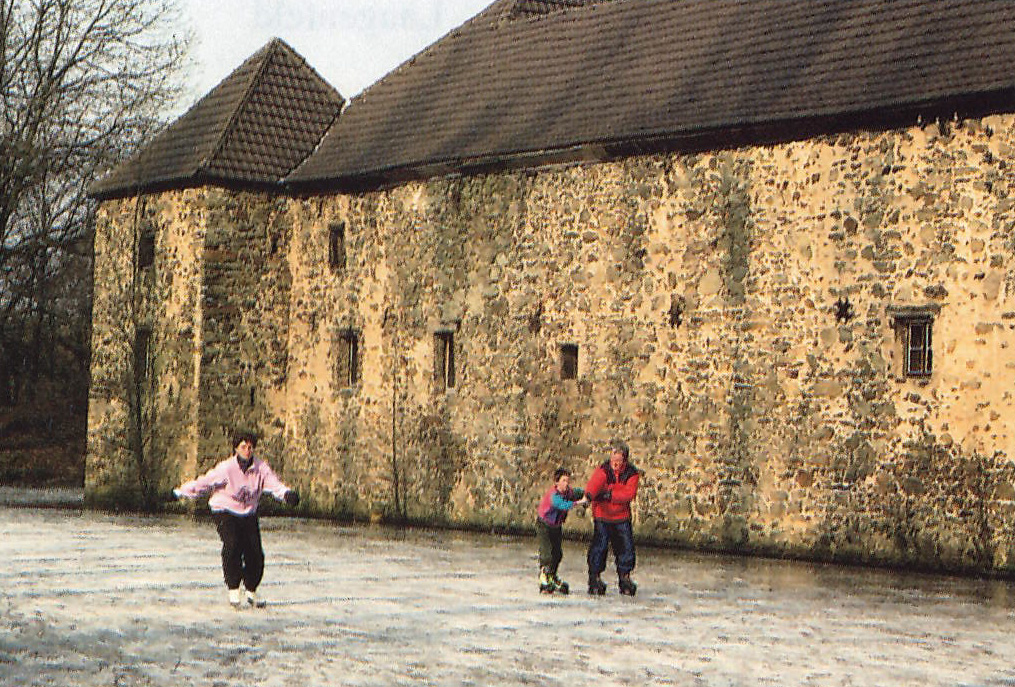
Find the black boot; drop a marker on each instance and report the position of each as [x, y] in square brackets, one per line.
[627, 585]
[546, 585]
[596, 585]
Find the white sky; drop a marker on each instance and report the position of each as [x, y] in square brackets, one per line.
[351, 43]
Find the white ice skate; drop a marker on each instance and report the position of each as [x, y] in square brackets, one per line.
[254, 600]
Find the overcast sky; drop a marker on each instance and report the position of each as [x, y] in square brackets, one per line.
[351, 43]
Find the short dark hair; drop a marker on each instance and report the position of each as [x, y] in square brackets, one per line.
[620, 447]
[560, 472]
[240, 436]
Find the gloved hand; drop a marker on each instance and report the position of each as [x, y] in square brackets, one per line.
[292, 498]
[170, 497]
[605, 496]
[580, 506]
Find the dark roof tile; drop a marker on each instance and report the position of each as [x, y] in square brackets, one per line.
[253, 128]
[529, 76]
[525, 79]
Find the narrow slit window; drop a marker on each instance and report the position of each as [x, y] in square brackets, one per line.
[569, 361]
[444, 360]
[919, 352]
[146, 248]
[336, 246]
[142, 355]
[347, 363]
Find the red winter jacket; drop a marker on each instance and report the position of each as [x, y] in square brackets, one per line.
[622, 489]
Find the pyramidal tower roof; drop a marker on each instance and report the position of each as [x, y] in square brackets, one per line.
[251, 130]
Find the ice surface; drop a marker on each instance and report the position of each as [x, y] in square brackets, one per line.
[94, 599]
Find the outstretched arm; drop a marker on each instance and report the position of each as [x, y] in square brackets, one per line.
[561, 502]
[208, 482]
[274, 486]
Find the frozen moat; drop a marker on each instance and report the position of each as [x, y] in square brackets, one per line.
[95, 599]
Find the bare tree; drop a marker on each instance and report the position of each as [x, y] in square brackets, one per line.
[82, 83]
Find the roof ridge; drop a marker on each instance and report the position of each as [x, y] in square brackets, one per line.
[536, 9]
[269, 50]
[324, 83]
[485, 19]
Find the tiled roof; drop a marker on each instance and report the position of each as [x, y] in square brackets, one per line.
[529, 76]
[537, 7]
[250, 130]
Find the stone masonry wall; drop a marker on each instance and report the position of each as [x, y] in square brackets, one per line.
[245, 316]
[733, 317]
[701, 293]
[162, 298]
[216, 300]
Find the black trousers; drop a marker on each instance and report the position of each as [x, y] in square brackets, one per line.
[550, 551]
[242, 555]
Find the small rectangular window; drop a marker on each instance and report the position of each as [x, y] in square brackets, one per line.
[444, 360]
[347, 359]
[914, 339]
[336, 246]
[919, 353]
[568, 361]
[142, 355]
[146, 248]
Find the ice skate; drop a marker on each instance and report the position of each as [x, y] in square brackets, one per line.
[254, 600]
[234, 598]
[596, 585]
[546, 585]
[627, 585]
[560, 585]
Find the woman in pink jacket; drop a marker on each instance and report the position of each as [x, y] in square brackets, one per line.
[235, 485]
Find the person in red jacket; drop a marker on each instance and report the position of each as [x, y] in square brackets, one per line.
[611, 488]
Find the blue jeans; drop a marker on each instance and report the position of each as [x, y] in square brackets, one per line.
[619, 535]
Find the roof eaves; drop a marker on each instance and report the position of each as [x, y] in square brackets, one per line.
[733, 134]
[178, 183]
[131, 189]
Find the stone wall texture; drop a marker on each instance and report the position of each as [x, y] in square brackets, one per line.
[733, 313]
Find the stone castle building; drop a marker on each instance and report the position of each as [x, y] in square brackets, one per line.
[768, 242]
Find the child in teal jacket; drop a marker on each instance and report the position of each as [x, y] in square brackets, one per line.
[553, 508]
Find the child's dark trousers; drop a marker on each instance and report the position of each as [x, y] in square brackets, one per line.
[550, 552]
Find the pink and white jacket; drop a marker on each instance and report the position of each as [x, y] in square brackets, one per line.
[234, 490]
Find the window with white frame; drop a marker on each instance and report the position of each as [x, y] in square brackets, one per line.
[914, 332]
[919, 349]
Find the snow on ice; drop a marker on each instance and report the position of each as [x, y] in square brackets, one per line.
[95, 599]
